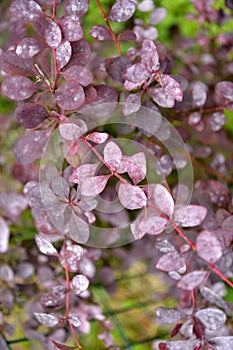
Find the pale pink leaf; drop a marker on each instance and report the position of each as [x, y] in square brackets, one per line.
[129, 86]
[163, 200]
[172, 261]
[75, 321]
[79, 283]
[172, 87]
[158, 15]
[192, 215]
[161, 97]
[94, 185]
[192, 280]
[142, 225]
[137, 167]
[98, 137]
[79, 229]
[47, 320]
[137, 73]
[131, 197]
[25, 10]
[122, 10]
[71, 131]
[28, 47]
[4, 236]
[132, 104]
[158, 227]
[112, 154]
[83, 172]
[45, 246]
[150, 57]
[63, 54]
[208, 246]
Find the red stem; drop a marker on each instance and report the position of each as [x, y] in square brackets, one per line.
[54, 8]
[55, 68]
[109, 27]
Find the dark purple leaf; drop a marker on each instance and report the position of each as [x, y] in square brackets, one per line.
[63, 54]
[94, 185]
[146, 5]
[81, 52]
[212, 319]
[112, 154]
[83, 172]
[25, 10]
[217, 121]
[229, 4]
[4, 236]
[192, 280]
[208, 247]
[90, 94]
[70, 95]
[221, 343]
[106, 94]
[192, 215]
[78, 229]
[172, 87]
[30, 146]
[52, 35]
[137, 73]
[172, 261]
[30, 115]
[76, 7]
[18, 88]
[45, 246]
[115, 66]
[79, 283]
[127, 35]
[47, 320]
[132, 104]
[217, 193]
[158, 15]
[80, 74]
[100, 32]
[71, 28]
[131, 197]
[163, 200]
[150, 57]
[161, 97]
[199, 92]
[28, 48]
[168, 316]
[98, 137]
[122, 10]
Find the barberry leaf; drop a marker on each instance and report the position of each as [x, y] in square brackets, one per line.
[47, 320]
[94, 185]
[78, 229]
[53, 35]
[100, 32]
[98, 137]
[72, 131]
[163, 200]
[172, 87]
[75, 321]
[81, 52]
[71, 28]
[172, 261]
[18, 88]
[122, 10]
[211, 318]
[161, 97]
[12, 64]
[168, 316]
[158, 15]
[115, 66]
[221, 343]
[79, 283]
[63, 54]
[112, 154]
[30, 115]
[192, 280]
[127, 35]
[199, 93]
[132, 104]
[4, 236]
[76, 7]
[131, 197]
[137, 73]
[45, 246]
[28, 48]
[25, 10]
[70, 95]
[142, 224]
[192, 215]
[79, 74]
[208, 246]
[150, 57]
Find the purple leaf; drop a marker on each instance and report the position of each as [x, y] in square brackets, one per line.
[224, 90]
[161, 97]
[229, 4]
[137, 73]
[106, 94]
[224, 236]
[221, 343]
[30, 115]
[213, 298]
[71, 254]
[115, 66]
[112, 155]
[47, 320]
[131, 197]
[132, 104]
[75, 321]
[181, 345]
[142, 224]
[212, 319]
[78, 229]
[217, 121]
[98, 137]
[163, 200]
[81, 52]
[76, 7]
[94, 185]
[63, 54]
[127, 35]
[4, 236]
[90, 94]
[172, 261]
[12, 64]
[208, 247]
[158, 15]
[122, 10]
[80, 74]
[25, 10]
[70, 95]
[158, 227]
[199, 92]
[168, 316]
[71, 131]
[192, 280]
[60, 187]
[100, 32]
[30, 147]
[79, 283]
[135, 166]
[45, 246]
[150, 57]
[28, 48]
[192, 215]
[52, 35]
[146, 5]
[172, 86]
[83, 172]
[71, 28]
[128, 86]
[18, 88]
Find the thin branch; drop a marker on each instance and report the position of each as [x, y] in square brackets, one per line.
[54, 8]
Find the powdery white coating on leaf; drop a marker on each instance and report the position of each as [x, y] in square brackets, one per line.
[71, 254]
[213, 298]
[131, 197]
[25, 10]
[75, 321]
[12, 64]
[45, 246]
[172, 86]
[122, 10]
[192, 280]
[98, 137]
[161, 97]
[71, 131]
[129, 86]
[225, 89]
[132, 104]
[217, 121]
[53, 35]
[80, 74]
[79, 283]
[77, 7]
[63, 54]
[199, 92]
[168, 316]
[163, 200]
[158, 15]
[135, 166]
[100, 32]
[190, 216]
[137, 73]
[28, 48]
[47, 320]
[70, 96]
[141, 225]
[30, 115]
[208, 247]
[112, 154]
[94, 185]
[83, 172]
[18, 88]
[78, 229]
[71, 29]
[172, 261]
[4, 236]
[221, 343]
[146, 5]
[149, 54]
[181, 345]
[211, 318]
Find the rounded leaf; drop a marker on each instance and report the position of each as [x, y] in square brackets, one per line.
[161, 97]
[122, 10]
[94, 185]
[163, 200]
[192, 280]
[18, 88]
[63, 54]
[192, 215]
[28, 48]
[47, 320]
[70, 96]
[52, 35]
[80, 74]
[158, 15]
[79, 283]
[208, 246]
[78, 229]
[137, 73]
[212, 319]
[172, 261]
[76, 7]
[150, 57]
[71, 28]
[199, 92]
[4, 236]
[131, 197]
[172, 87]
[25, 10]
[45, 246]
[30, 115]
[83, 172]
[168, 316]
[100, 32]
[98, 137]
[112, 154]
[71, 131]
